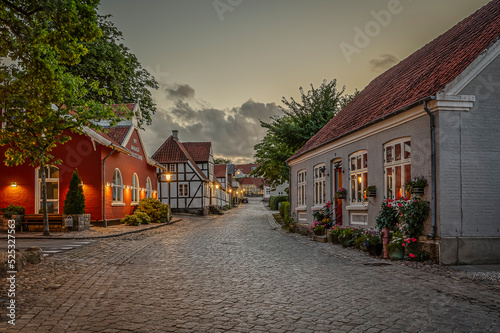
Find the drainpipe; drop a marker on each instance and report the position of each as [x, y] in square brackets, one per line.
[290, 191]
[104, 188]
[433, 171]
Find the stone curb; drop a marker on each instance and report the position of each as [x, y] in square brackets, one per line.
[160, 225]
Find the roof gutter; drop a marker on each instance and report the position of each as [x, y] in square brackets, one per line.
[433, 171]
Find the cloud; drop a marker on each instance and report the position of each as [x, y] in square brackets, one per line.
[384, 62]
[233, 132]
[179, 91]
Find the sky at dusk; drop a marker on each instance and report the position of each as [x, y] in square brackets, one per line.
[224, 65]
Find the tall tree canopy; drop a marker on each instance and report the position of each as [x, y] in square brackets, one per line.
[110, 65]
[301, 120]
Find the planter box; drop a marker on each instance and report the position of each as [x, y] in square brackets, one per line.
[372, 193]
[418, 190]
[321, 239]
[81, 222]
[342, 196]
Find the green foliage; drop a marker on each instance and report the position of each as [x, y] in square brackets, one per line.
[286, 134]
[142, 217]
[397, 241]
[285, 211]
[418, 181]
[75, 200]
[156, 210]
[387, 216]
[12, 210]
[222, 160]
[275, 200]
[110, 65]
[414, 213]
[131, 220]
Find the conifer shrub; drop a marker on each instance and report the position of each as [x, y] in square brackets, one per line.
[75, 200]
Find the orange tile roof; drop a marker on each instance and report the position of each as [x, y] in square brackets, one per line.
[118, 133]
[245, 168]
[200, 151]
[422, 74]
[220, 170]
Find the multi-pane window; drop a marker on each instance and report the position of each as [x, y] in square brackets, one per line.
[52, 185]
[172, 168]
[135, 188]
[301, 188]
[149, 188]
[397, 166]
[183, 190]
[117, 186]
[319, 185]
[358, 173]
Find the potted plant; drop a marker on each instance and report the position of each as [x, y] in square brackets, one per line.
[346, 236]
[74, 205]
[334, 233]
[370, 191]
[416, 185]
[362, 241]
[12, 212]
[318, 228]
[396, 246]
[341, 193]
[414, 212]
[374, 243]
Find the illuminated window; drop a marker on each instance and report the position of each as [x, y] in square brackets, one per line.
[135, 188]
[149, 188]
[52, 186]
[117, 186]
[397, 167]
[358, 173]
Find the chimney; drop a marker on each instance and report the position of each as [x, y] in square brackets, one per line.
[175, 134]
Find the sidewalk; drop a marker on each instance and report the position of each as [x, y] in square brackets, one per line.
[94, 232]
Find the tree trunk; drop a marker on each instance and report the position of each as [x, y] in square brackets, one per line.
[46, 231]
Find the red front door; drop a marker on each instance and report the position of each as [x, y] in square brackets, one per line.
[338, 202]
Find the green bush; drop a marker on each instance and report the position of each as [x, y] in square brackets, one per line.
[143, 217]
[131, 220]
[12, 210]
[156, 210]
[75, 200]
[285, 211]
[275, 200]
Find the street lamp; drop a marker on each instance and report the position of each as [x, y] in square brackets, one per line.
[165, 177]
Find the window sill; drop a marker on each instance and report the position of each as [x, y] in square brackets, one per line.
[301, 208]
[317, 207]
[357, 207]
[134, 204]
[118, 204]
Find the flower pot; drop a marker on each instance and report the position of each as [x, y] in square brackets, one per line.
[335, 239]
[396, 253]
[372, 193]
[363, 248]
[418, 190]
[375, 250]
[319, 232]
[342, 196]
[346, 241]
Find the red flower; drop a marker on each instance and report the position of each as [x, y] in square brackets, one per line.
[400, 205]
[412, 255]
[413, 240]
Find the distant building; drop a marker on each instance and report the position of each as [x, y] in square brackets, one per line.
[243, 170]
[252, 186]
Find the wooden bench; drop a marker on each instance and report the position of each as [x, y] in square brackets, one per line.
[37, 219]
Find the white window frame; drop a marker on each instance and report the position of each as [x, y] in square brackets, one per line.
[38, 190]
[301, 188]
[392, 162]
[149, 188]
[319, 184]
[172, 168]
[134, 190]
[183, 190]
[117, 188]
[358, 176]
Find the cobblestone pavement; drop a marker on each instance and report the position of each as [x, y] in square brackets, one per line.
[236, 273]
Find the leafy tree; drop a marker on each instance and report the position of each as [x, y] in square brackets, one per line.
[286, 134]
[75, 200]
[222, 160]
[42, 38]
[110, 65]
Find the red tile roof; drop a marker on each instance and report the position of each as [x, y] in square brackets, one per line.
[259, 182]
[118, 133]
[245, 168]
[220, 170]
[200, 151]
[422, 74]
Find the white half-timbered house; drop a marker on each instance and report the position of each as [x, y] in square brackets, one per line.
[191, 187]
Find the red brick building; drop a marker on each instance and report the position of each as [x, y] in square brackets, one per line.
[119, 154]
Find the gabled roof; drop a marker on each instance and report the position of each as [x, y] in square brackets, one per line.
[118, 133]
[245, 168]
[259, 182]
[422, 74]
[173, 151]
[220, 170]
[199, 151]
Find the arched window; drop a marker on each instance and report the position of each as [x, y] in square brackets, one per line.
[52, 182]
[149, 188]
[397, 167]
[117, 186]
[135, 189]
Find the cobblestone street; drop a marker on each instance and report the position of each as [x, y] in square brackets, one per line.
[234, 273]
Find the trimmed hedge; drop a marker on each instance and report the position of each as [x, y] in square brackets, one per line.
[285, 210]
[155, 209]
[275, 200]
[131, 220]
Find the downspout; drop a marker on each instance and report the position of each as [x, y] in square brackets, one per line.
[104, 188]
[433, 171]
[290, 191]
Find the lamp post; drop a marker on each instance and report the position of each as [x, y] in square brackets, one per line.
[164, 176]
